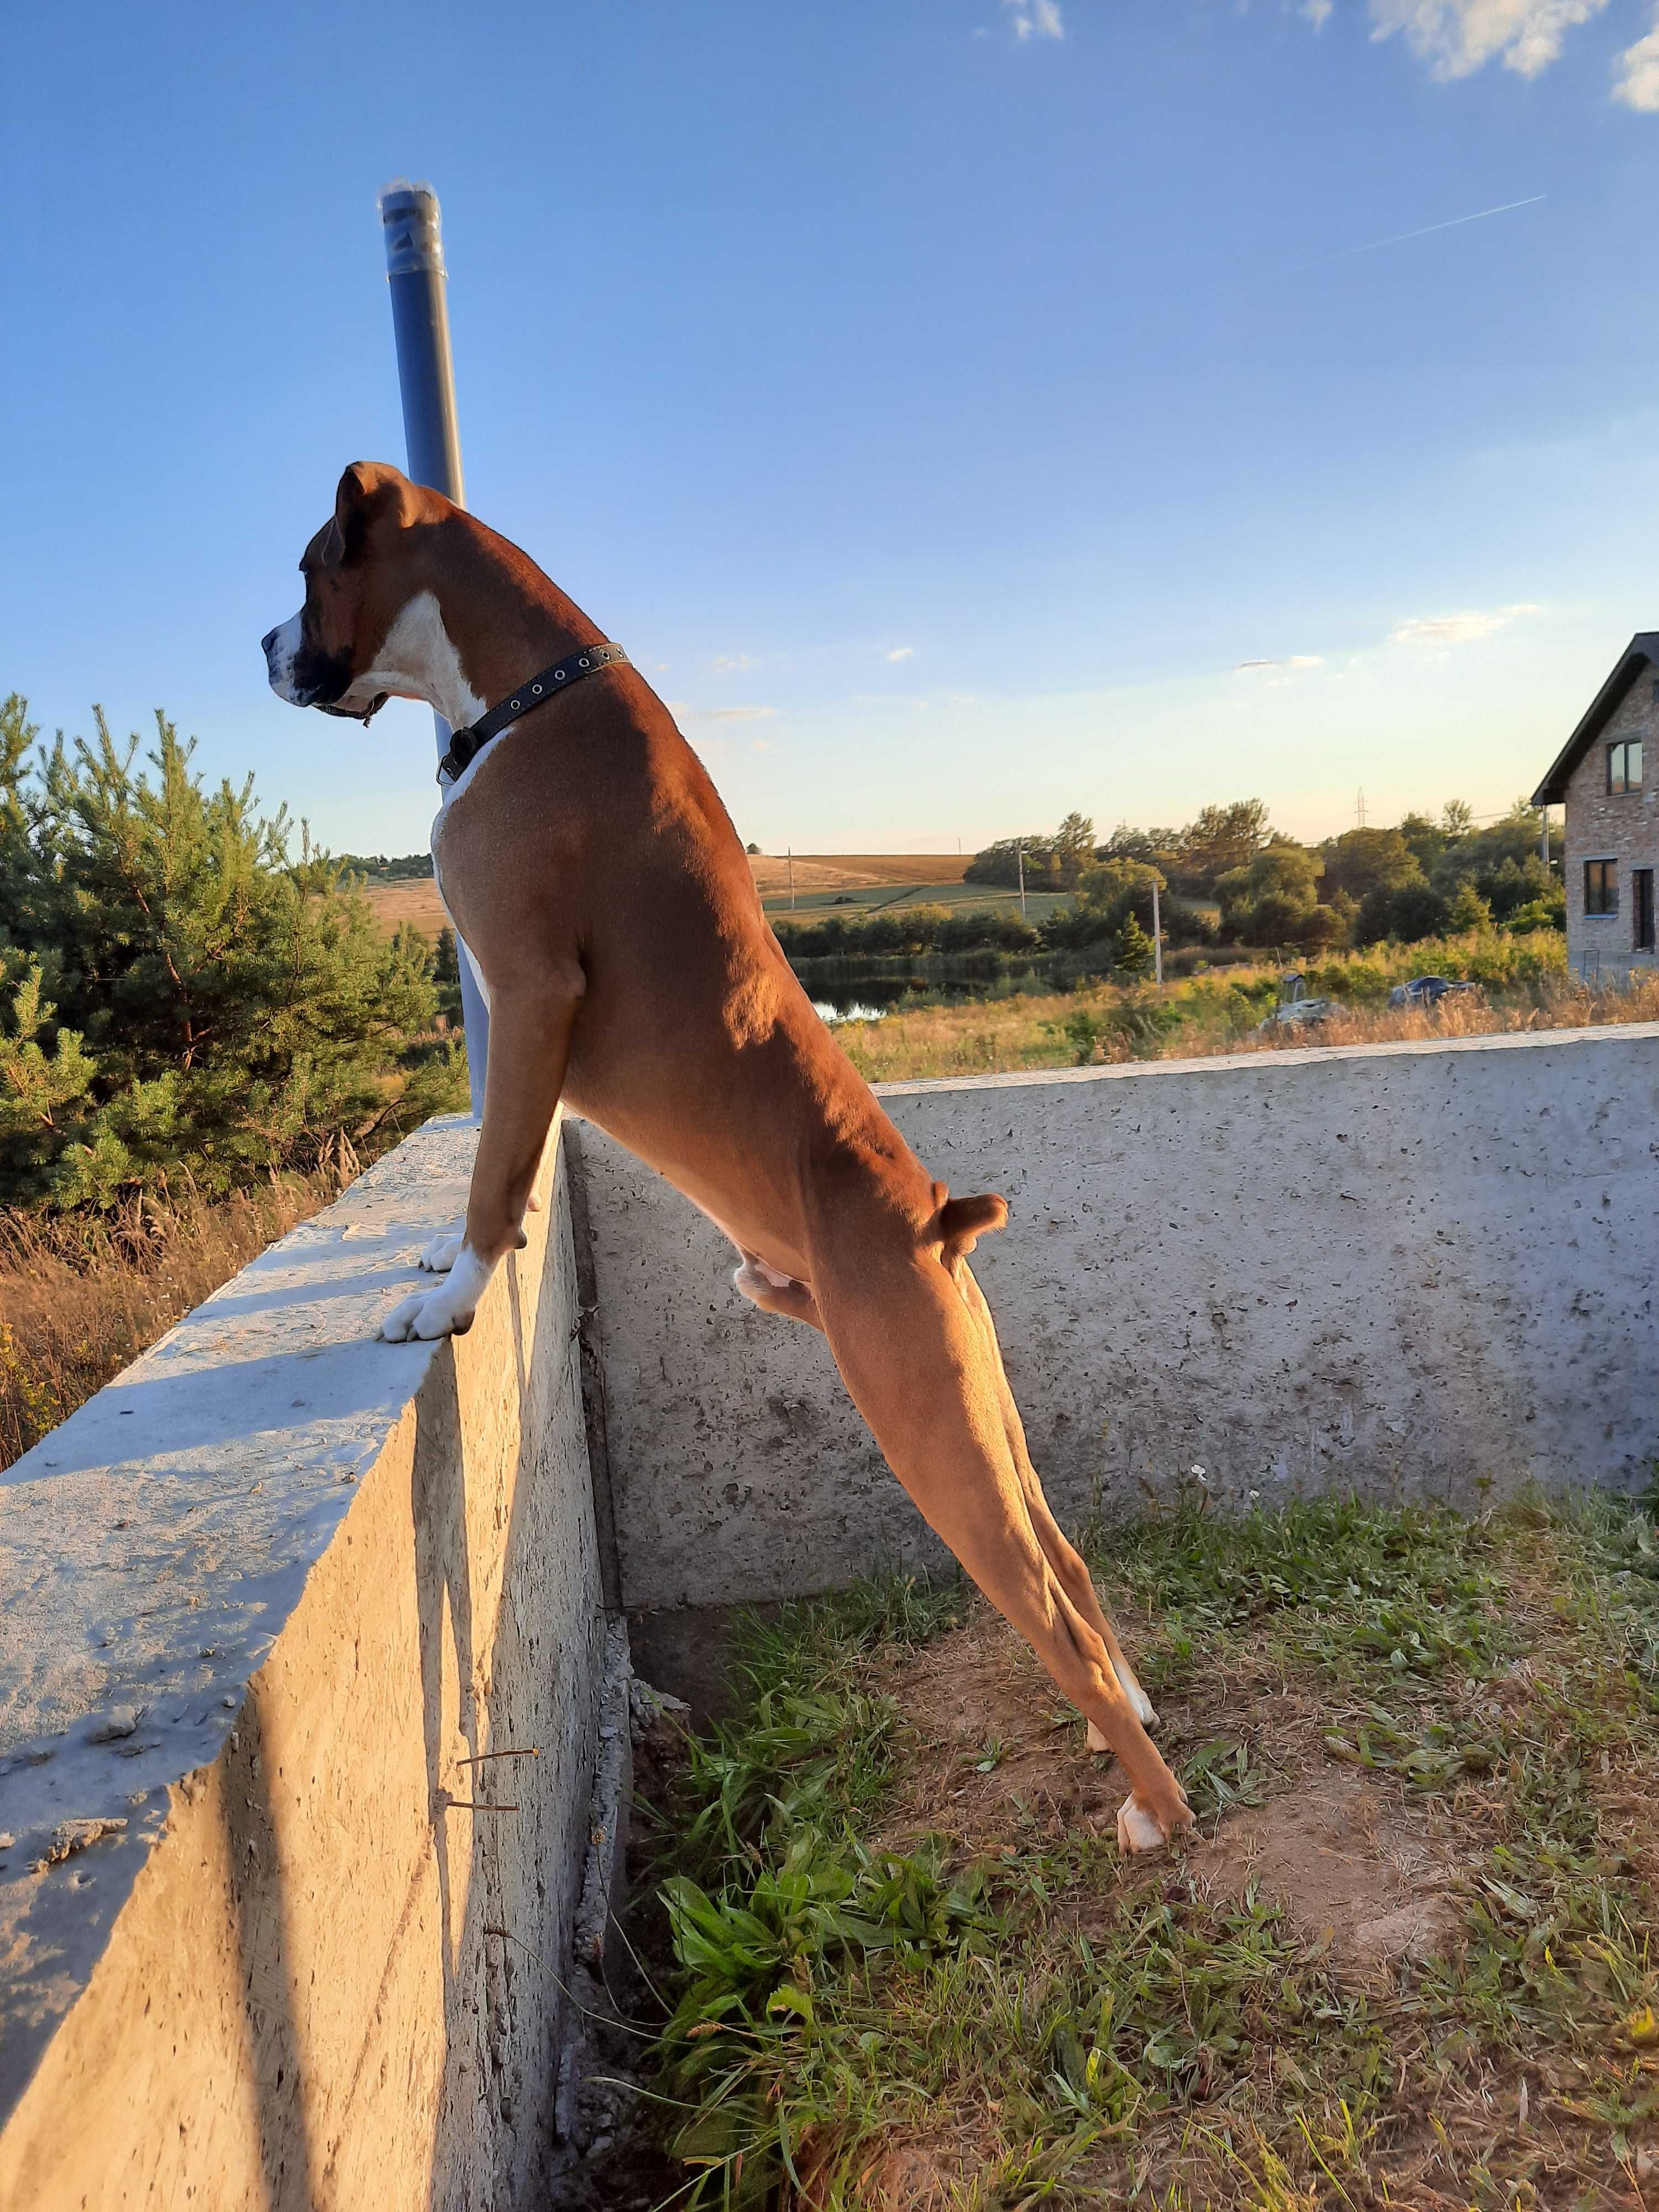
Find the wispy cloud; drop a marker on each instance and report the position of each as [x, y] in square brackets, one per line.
[1457, 37]
[1316, 11]
[734, 660]
[1036, 18]
[1465, 628]
[901, 652]
[687, 713]
[1291, 660]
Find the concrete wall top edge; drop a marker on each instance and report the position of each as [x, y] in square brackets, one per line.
[152, 1546]
[1246, 1063]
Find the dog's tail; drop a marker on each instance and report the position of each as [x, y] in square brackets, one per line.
[963, 1221]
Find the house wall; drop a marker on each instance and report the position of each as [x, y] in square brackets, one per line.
[265, 1598]
[1624, 828]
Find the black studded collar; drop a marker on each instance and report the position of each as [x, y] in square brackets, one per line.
[466, 746]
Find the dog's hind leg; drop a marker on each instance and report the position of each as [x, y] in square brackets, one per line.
[1065, 1560]
[916, 1362]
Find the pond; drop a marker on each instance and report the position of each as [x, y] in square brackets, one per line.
[865, 1000]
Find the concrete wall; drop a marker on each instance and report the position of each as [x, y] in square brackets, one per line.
[1411, 1269]
[265, 1598]
[1622, 826]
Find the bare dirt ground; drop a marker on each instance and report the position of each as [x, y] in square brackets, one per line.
[1360, 1866]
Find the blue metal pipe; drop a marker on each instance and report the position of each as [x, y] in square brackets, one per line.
[425, 380]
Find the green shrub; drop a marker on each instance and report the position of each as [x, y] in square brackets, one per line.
[176, 989]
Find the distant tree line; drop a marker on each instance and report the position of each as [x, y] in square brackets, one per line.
[1420, 878]
[410, 868]
[1227, 878]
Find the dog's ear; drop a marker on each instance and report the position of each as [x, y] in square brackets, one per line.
[370, 494]
[963, 1221]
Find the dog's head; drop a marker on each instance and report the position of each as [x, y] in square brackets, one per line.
[360, 572]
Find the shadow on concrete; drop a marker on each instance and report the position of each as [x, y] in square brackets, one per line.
[287, 2155]
[501, 1897]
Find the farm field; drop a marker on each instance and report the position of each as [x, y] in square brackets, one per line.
[416, 903]
[840, 883]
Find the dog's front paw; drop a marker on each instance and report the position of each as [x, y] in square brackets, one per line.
[441, 1253]
[427, 1314]
[446, 1310]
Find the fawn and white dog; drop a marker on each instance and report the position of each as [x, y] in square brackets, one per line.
[609, 912]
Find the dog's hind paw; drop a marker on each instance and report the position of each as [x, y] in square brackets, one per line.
[441, 1253]
[1138, 1829]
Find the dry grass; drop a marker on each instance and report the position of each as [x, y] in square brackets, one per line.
[80, 1296]
[993, 1036]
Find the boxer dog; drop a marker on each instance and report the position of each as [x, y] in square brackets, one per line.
[602, 895]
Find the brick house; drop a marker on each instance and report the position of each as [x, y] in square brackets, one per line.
[1607, 779]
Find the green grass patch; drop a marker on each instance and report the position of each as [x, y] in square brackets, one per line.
[1043, 2023]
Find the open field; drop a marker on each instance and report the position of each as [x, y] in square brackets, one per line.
[1407, 1959]
[822, 881]
[416, 903]
[843, 871]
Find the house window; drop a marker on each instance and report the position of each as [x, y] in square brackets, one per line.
[1601, 887]
[1625, 765]
[1641, 905]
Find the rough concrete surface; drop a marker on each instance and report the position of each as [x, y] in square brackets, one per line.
[265, 1598]
[1407, 1269]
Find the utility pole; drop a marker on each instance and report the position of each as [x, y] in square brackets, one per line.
[425, 381]
[1544, 835]
[1158, 937]
[1021, 850]
[1359, 810]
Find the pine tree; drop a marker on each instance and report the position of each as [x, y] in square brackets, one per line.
[175, 988]
[1134, 951]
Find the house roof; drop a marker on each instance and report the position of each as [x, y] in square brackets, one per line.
[1641, 652]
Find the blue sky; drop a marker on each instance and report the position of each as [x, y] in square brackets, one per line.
[965, 410]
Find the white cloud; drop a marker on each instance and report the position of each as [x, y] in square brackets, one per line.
[719, 714]
[1637, 81]
[1457, 37]
[1466, 628]
[901, 652]
[1293, 660]
[1038, 19]
[734, 660]
[1316, 11]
